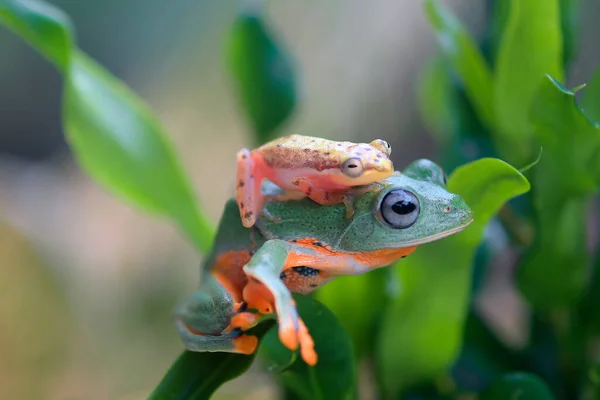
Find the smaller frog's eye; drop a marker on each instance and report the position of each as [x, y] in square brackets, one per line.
[400, 209]
[387, 147]
[352, 167]
[382, 146]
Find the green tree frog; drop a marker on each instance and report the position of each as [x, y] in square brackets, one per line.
[252, 272]
[320, 169]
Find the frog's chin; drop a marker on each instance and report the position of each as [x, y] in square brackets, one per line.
[433, 238]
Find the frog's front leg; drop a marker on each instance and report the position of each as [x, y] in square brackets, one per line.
[210, 320]
[265, 287]
[330, 197]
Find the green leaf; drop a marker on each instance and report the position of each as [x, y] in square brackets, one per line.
[553, 272]
[422, 328]
[464, 56]
[334, 375]
[263, 73]
[196, 376]
[518, 386]
[114, 136]
[591, 97]
[531, 46]
[345, 297]
[570, 139]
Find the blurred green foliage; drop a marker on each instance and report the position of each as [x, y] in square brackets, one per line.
[414, 322]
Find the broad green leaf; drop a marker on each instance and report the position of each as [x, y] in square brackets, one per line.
[531, 46]
[334, 375]
[422, 328]
[571, 141]
[263, 73]
[518, 386]
[196, 376]
[591, 97]
[114, 136]
[345, 297]
[553, 273]
[464, 56]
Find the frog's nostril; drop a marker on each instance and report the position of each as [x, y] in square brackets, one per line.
[447, 209]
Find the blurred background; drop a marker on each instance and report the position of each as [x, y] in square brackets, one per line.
[87, 283]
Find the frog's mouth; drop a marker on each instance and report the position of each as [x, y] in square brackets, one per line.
[437, 236]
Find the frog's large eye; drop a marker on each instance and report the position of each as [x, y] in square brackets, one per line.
[352, 167]
[400, 209]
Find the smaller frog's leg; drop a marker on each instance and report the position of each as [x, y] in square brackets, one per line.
[248, 194]
[264, 270]
[205, 321]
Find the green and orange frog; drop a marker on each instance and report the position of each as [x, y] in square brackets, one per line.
[251, 272]
[323, 170]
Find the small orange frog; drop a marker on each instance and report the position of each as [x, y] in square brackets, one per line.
[323, 170]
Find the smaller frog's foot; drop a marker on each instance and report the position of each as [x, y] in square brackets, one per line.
[244, 320]
[245, 344]
[287, 195]
[349, 204]
[396, 173]
[266, 214]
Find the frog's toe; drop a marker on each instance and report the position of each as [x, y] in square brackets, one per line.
[244, 320]
[258, 297]
[307, 345]
[294, 335]
[288, 335]
[245, 344]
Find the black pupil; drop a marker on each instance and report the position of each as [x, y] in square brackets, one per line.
[352, 166]
[403, 207]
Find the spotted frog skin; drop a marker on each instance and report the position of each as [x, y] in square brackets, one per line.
[305, 166]
[252, 272]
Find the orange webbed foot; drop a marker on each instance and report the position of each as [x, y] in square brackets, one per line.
[244, 320]
[293, 336]
[258, 297]
[245, 344]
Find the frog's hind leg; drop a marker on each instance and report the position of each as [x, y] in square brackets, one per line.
[248, 194]
[231, 342]
[205, 321]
